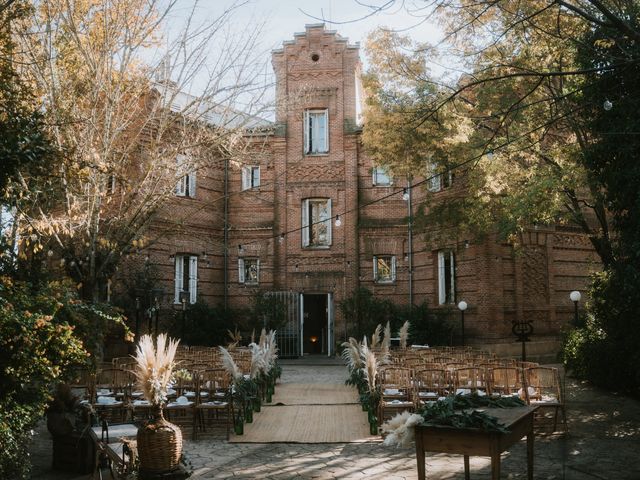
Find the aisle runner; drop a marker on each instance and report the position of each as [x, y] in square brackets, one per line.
[309, 413]
[314, 394]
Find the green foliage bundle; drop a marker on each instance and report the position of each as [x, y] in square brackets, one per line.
[459, 411]
[37, 346]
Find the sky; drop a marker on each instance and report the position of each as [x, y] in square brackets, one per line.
[285, 17]
[278, 20]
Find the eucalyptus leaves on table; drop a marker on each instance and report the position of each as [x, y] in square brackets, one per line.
[458, 411]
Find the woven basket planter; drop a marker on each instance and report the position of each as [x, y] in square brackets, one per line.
[159, 445]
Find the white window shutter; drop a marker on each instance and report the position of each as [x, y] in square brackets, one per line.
[246, 178]
[375, 176]
[178, 278]
[453, 276]
[442, 294]
[322, 134]
[180, 185]
[193, 279]
[240, 270]
[329, 222]
[255, 179]
[393, 268]
[192, 184]
[307, 131]
[375, 269]
[305, 223]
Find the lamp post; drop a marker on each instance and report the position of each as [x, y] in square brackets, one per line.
[575, 297]
[462, 306]
[184, 296]
[137, 318]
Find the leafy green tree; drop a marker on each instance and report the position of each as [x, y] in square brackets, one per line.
[606, 348]
[36, 349]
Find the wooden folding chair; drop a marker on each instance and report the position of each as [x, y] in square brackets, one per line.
[215, 402]
[543, 388]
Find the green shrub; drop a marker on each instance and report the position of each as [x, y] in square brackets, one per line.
[605, 350]
[36, 349]
[428, 326]
[205, 325]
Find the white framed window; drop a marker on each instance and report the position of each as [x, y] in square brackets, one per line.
[381, 177]
[249, 271]
[384, 268]
[186, 186]
[316, 222]
[186, 277]
[440, 181]
[250, 177]
[446, 277]
[316, 131]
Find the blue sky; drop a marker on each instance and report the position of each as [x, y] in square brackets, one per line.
[278, 20]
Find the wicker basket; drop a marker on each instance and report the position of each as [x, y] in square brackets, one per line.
[159, 445]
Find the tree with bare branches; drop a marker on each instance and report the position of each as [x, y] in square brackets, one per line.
[138, 96]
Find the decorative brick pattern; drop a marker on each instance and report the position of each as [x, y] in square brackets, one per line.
[499, 285]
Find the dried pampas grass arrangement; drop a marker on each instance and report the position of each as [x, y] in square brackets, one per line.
[351, 354]
[230, 365]
[400, 429]
[375, 338]
[154, 367]
[370, 367]
[404, 335]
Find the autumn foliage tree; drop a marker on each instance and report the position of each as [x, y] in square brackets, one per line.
[114, 82]
[549, 87]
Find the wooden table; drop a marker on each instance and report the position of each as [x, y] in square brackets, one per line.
[472, 441]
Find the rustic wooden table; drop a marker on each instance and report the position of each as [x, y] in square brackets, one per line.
[468, 441]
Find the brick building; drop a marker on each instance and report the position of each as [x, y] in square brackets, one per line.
[305, 213]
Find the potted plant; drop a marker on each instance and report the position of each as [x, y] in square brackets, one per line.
[159, 441]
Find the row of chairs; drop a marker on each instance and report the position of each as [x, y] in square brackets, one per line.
[200, 399]
[404, 388]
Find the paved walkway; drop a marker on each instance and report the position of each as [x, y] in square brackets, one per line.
[603, 443]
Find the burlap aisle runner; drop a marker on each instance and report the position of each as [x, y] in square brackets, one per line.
[309, 413]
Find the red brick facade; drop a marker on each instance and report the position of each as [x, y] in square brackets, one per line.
[316, 71]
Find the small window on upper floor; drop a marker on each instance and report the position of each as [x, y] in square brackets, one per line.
[438, 181]
[186, 186]
[250, 177]
[316, 131]
[249, 271]
[384, 268]
[381, 177]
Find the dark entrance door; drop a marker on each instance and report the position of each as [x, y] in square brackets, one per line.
[315, 324]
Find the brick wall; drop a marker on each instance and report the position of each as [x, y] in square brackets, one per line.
[317, 70]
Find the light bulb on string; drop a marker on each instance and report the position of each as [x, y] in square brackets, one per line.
[338, 221]
[281, 239]
[607, 105]
[405, 195]
[490, 155]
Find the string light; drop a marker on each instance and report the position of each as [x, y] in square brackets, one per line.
[490, 155]
[405, 195]
[607, 105]
[338, 221]
[281, 239]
